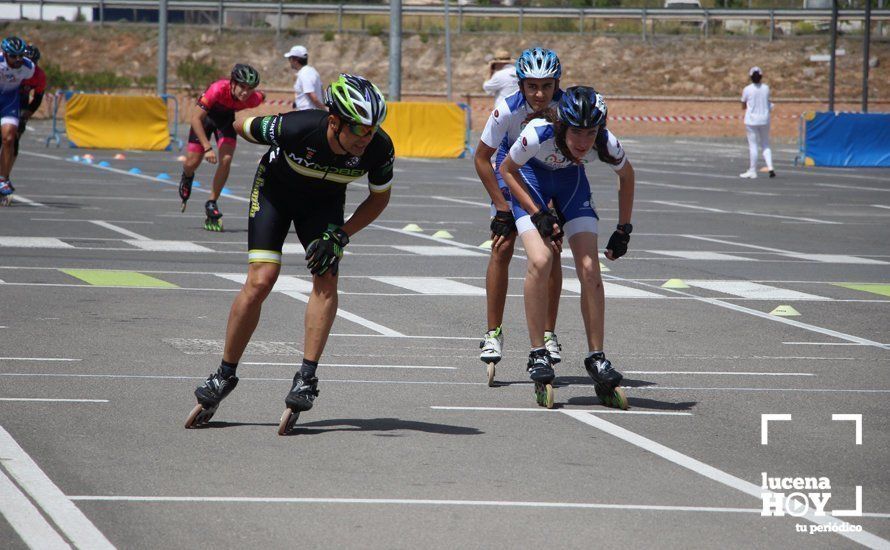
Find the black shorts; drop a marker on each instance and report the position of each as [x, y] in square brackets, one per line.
[275, 204]
[224, 134]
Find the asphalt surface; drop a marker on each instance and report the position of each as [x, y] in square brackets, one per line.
[114, 307]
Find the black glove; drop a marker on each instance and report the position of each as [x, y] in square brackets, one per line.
[503, 223]
[325, 252]
[544, 219]
[618, 244]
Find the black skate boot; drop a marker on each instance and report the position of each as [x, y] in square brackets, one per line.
[540, 370]
[212, 222]
[300, 398]
[185, 189]
[606, 381]
[209, 395]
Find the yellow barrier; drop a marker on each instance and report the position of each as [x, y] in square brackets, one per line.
[117, 122]
[434, 130]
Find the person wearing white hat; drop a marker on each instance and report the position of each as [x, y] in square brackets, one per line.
[307, 87]
[755, 102]
[502, 80]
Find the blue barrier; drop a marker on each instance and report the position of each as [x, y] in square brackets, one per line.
[844, 139]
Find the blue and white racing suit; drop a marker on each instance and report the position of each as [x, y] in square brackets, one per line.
[503, 127]
[10, 82]
[548, 174]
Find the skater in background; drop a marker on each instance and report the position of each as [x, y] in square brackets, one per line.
[331, 150]
[218, 105]
[30, 94]
[502, 80]
[538, 70]
[307, 86]
[14, 68]
[547, 162]
[757, 106]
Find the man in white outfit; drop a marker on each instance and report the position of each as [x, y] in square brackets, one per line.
[502, 80]
[307, 87]
[755, 102]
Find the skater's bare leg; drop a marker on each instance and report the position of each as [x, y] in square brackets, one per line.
[192, 161]
[554, 289]
[226, 152]
[593, 300]
[540, 259]
[320, 314]
[497, 280]
[245, 313]
[7, 153]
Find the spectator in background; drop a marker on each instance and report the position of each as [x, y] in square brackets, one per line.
[307, 87]
[755, 102]
[502, 80]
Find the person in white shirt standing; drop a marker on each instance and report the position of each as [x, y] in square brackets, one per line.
[502, 80]
[755, 102]
[307, 87]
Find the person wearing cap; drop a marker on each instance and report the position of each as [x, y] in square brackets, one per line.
[502, 80]
[307, 87]
[755, 102]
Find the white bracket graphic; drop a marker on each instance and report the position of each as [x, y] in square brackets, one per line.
[857, 418]
[764, 425]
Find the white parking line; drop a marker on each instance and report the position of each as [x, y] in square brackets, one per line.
[69, 519]
[48, 400]
[376, 327]
[29, 202]
[861, 537]
[729, 373]
[539, 409]
[64, 359]
[120, 230]
[350, 365]
[744, 213]
[27, 521]
[414, 502]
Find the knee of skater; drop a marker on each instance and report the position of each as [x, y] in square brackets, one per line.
[9, 139]
[539, 265]
[260, 286]
[590, 278]
[225, 160]
[325, 285]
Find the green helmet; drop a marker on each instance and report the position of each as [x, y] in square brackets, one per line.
[245, 74]
[356, 100]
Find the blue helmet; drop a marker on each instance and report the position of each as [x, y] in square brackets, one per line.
[582, 107]
[13, 45]
[538, 63]
[33, 53]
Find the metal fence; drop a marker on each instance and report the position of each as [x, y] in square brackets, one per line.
[577, 20]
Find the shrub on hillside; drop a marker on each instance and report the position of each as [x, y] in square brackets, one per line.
[196, 74]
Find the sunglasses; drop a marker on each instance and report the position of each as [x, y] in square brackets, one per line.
[361, 130]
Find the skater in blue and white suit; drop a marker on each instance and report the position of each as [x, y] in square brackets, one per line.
[547, 163]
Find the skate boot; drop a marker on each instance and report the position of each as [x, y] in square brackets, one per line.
[606, 381]
[6, 191]
[492, 344]
[299, 399]
[185, 189]
[553, 346]
[212, 222]
[209, 395]
[540, 370]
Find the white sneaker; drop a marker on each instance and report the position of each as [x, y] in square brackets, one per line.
[750, 174]
[553, 346]
[492, 344]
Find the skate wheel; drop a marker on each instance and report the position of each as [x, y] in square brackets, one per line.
[199, 416]
[288, 419]
[548, 396]
[490, 370]
[620, 399]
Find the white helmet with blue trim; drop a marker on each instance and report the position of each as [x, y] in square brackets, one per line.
[538, 63]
